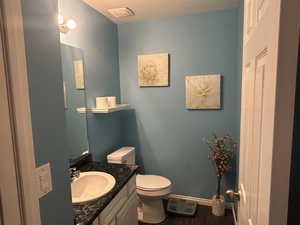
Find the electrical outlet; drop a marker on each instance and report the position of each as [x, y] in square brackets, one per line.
[44, 182]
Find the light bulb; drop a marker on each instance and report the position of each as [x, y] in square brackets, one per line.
[71, 24]
[60, 19]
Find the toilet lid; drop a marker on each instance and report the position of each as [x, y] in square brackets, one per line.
[152, 182]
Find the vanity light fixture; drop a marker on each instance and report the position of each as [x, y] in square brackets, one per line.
[66, 26]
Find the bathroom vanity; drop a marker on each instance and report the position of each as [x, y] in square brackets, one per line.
[119, 206]
[122, 210]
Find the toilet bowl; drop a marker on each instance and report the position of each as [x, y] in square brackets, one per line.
[151, 189]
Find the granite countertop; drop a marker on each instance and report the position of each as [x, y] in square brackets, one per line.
[86, 213]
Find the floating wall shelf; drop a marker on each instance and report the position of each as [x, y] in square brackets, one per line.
[108, 110]
[81, 110]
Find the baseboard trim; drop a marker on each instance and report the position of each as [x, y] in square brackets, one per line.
[200, 201]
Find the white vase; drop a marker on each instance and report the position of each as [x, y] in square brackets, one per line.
[218, 206]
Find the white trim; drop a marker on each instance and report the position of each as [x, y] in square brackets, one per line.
[234, 214]
[200, 201]
[9, 185]
[20, 109]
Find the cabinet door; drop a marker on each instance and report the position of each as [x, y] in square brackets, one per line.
[113, 207]
[128, 214]
[113, 222]
[96, 221]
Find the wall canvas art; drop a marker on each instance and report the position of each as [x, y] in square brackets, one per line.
[79, 74]
[203, 92]
[153, 70]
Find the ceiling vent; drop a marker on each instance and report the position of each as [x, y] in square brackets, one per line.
[121, 12]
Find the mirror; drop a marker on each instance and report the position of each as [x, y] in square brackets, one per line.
[74, 99]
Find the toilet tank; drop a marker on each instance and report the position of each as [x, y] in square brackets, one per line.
[124, 155]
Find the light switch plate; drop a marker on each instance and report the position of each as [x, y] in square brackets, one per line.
[44, 182]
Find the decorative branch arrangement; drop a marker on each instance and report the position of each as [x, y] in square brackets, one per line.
[220, 154]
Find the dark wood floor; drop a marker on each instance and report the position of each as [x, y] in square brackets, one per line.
[203, 217]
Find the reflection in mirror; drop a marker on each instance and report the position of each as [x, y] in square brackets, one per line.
[74, 97]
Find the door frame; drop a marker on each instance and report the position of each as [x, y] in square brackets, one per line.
[11, 31]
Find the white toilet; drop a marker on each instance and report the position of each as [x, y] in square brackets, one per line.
[150, 188]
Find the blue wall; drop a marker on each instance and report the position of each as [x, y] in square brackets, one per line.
[47, 106]
[168, 136]
[97, 37]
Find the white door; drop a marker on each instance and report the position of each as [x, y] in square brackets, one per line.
[10, 211]
[269, 70]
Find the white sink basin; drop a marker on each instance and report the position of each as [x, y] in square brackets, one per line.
[90, 186]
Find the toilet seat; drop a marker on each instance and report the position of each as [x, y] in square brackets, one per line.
[152, 182]
[151, 189]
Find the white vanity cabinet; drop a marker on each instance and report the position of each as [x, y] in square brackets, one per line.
[128, 214]
[122, 210]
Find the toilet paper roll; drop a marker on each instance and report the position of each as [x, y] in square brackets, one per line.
[102, 103]
[111, 101]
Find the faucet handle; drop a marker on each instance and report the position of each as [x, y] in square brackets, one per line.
[72, 170]
[74, 173]
[77, 173]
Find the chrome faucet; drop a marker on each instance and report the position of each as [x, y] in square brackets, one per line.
[74, 173]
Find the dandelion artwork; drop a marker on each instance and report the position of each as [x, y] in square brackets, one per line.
[153, 70]
[221, 151]
[203, 91]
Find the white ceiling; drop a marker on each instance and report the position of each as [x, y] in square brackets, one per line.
[154, 9]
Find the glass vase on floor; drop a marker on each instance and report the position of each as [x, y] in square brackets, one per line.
[218, 205]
